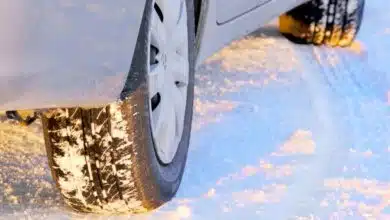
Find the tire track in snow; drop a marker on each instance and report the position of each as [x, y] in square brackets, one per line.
[319, 76]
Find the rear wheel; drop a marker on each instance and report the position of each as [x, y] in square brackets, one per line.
[323, 22]
[130, 155]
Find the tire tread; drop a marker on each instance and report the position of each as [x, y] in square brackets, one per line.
[99, 183]
[322, 22]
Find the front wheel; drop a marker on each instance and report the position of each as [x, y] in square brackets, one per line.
[130, 155]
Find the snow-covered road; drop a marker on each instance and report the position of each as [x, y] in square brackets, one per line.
[281, 131]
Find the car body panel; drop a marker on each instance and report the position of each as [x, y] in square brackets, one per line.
[214, 36]
[65, 53]
[228, 10]
[78, 53]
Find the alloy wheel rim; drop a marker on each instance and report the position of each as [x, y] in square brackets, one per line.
[168, 75]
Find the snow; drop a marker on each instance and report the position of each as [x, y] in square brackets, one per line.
[281, 131]
[352, 6]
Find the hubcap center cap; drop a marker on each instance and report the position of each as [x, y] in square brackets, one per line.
[164, 61]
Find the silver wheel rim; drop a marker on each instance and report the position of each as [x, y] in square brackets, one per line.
[168, 75]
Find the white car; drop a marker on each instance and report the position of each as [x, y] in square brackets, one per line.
[113, 82]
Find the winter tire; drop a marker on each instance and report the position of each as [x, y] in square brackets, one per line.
[129, 156]
[323, 22]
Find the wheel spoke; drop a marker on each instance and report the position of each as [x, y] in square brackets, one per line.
[165, 125]
[179, 68]
[180, 34]
[156, 79]
[158, 32]
[171, 12]
[170, 131]
[180, 105]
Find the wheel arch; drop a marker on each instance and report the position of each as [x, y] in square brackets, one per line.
[198, 7]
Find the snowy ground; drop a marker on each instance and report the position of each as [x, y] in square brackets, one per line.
[281, 131]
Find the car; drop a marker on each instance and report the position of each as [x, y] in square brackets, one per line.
[113, 82]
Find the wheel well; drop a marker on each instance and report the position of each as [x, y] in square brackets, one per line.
[197, 6]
